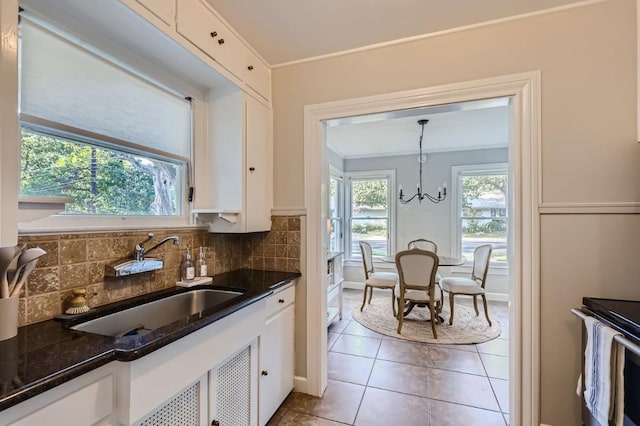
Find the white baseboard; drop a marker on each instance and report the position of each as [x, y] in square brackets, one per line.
[300, 384]
[542, 424]
[355, 285]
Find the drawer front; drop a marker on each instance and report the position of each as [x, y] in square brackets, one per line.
[280, 300]
[196, 22]
[85, 406]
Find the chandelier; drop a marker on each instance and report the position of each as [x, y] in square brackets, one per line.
[442, 191]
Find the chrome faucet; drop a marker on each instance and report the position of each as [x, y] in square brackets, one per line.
[140, 252]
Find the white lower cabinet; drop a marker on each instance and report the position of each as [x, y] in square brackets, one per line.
[85, 400]
[186, 408]
[276, 353]
[233, 389]
[236, 371]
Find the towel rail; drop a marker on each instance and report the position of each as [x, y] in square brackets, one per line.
[621, 340]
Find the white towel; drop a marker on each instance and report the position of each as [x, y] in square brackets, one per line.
[603, 373]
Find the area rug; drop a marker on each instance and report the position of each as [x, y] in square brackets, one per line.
[467, 328]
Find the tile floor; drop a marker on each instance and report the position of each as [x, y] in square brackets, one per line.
[376, 379]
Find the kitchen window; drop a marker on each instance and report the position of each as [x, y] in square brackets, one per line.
[371, 212]
[480, 197]
[98, 131]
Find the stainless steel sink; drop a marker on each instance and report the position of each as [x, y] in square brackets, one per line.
[145, 318]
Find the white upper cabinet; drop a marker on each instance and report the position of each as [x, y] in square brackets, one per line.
[257, 75]
[165, 10]
[235, 192]
[199, 25]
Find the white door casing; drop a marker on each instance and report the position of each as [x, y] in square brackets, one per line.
[525, 178]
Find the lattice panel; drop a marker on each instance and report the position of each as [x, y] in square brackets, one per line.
[233, 391]
[182, 410]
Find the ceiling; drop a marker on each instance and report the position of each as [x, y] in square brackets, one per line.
[454, 127]
[284, 31]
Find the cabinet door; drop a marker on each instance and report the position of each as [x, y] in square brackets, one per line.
[258, 167]
[233, 389]
[201, 27]
[163, 9]
[85, 406]
[276, 362]
[257, 75]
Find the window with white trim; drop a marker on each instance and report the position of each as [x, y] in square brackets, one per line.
[98, 131]
[370, 212]
[336, 212]
[480, 211]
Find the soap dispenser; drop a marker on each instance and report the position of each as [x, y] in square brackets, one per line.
[187, 269]
[202, 264]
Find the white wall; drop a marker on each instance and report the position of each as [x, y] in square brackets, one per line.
[589, 152]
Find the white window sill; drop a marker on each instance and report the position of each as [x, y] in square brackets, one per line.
[34, 208]
[80, 223]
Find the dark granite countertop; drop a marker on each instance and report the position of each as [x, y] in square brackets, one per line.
[47, 354]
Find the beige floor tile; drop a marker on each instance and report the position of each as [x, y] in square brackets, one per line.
[462, 388]
[357, 329]
[338, 326]
[501, 389]
[444, 385]
[349, 368]
[448, 414]
[292, 418]
[455, 360]
[381, 407]
[331, 339]
[466, 348]
[398, 377]
[277, 416]
[356, 345]
[494, 347]
[497, 366]
[339, 403]
[434, 356]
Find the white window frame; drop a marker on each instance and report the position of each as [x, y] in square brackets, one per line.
[456, 210]
[390, 175]
[336, 174]
[77, 222]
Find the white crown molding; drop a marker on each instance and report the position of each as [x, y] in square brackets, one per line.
[404, 153]
[441, 33]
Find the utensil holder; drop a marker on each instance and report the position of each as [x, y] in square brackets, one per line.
[9, 317]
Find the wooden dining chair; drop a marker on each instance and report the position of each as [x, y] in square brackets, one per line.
[473, 286]
[423, 244]
[417, 283]
[429, 245]
[373, 279]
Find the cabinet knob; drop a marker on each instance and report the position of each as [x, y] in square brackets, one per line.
[265, 373]
[252, 169]
[213, 33]
[221, 41]
[280, 300]
[215, 423]
[250, 67]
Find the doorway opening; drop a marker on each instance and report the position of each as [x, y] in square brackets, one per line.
[523, 92]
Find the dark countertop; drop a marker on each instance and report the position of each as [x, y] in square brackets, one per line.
[47, 354]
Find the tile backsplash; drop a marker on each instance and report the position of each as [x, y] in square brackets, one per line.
[78, 260]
